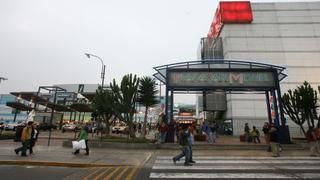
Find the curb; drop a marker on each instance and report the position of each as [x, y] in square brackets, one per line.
[56, 164]
[173, 146]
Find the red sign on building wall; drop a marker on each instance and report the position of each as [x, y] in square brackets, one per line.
[230, 12]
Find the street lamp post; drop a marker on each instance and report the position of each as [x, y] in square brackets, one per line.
[103, 70]
[3, 79]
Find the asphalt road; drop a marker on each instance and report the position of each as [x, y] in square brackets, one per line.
[35, 172]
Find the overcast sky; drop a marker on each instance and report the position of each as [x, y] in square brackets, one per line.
[42, 42]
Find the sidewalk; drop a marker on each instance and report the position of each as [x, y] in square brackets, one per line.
[57, 155]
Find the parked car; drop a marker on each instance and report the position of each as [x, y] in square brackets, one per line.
[92, 128]
[11, 126]
[1, 126]
[46, 126]
[70, 127]
[120, 128]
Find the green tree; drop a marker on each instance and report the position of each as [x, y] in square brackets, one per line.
[124, 98]
[301, 105]
[102, 106]
[147, 97]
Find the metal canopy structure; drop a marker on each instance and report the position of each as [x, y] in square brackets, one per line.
[19, 106]
[89, 95]
[29, 96]
[215, 64]
[58, 107]
[81, 107]
[226, 75]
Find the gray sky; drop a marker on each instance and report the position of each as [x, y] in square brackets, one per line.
[42, 42]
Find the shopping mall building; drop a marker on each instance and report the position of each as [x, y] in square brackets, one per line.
[284, 34]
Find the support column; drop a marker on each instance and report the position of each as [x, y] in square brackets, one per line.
[167, 101]
[275, 105]
[171, 107]
[283, 119]
[171, 134]
[268, 107]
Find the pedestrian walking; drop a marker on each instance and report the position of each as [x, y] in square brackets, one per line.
[213, 131]
[163, 130]
[265, 129]
[191, 141]
[312, 138]
[34, 137]
[207, 131]
[274, 141]
[25, 139]
[83, 136]
[255, 134]
[185, 148]
[247, 133]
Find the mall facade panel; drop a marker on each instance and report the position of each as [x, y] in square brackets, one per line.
[281, 33]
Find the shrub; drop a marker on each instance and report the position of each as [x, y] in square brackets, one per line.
[6, 136]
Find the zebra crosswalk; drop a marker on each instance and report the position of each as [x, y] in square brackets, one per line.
[208, 167]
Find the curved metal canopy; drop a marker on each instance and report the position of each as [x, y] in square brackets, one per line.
[216, 64]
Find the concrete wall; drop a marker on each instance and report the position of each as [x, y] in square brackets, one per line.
[285, 34]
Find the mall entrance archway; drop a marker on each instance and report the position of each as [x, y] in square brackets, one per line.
[226, 75]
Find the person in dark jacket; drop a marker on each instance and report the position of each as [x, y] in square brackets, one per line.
[34, 137]
[274, 141]
[266, 129]
[184, 143]
[247, 132]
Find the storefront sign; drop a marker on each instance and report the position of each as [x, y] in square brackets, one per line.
[221, 79]
[230, 12]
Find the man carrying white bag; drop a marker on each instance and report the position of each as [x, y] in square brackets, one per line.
[82, 143]
[77, 145]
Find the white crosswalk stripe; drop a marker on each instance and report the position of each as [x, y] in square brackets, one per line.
[208, 167]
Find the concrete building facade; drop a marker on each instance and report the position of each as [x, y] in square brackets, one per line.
[284, 34]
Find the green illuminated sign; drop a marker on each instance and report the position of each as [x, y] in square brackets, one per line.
[199, 78]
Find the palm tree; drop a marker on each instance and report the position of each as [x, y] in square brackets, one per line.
[147, 97]
[124, 99]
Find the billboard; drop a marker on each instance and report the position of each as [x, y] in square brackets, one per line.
[230, 12]
[221, 78]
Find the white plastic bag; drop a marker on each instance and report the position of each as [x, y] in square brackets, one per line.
[75, 145]
[79, 144]
[82, 144]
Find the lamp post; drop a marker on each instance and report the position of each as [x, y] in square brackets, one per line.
[103, 70]
[3, 79]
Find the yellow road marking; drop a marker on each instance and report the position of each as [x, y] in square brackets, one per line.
[85, 178]
[110, 175]
[122, 172]
[103, 172]
[129, 177]
[133, 171]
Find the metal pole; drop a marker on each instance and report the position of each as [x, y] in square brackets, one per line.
[103, 66]
[102, 74]
[52, 113]
[160, 91]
